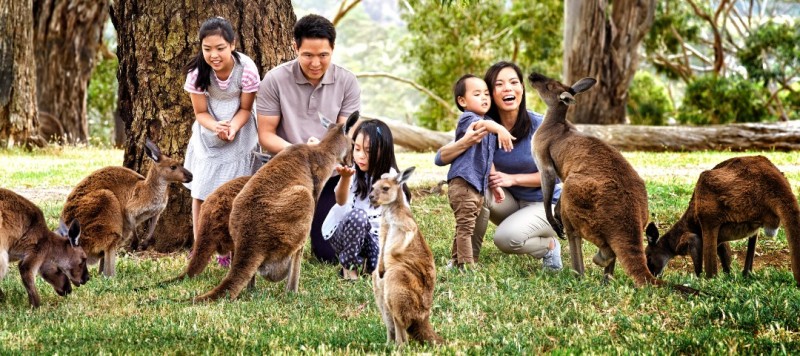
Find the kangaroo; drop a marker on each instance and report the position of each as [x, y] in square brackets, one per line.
[404, 280]
[213, 234]
[731, 201]
[273, 212]
[603, 199]
[24, 237]
[112, 201]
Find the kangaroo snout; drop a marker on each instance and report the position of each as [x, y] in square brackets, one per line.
[187, 176]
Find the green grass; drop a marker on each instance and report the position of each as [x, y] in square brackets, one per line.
[507, 305]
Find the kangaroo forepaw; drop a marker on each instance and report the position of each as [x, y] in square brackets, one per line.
[559, 229]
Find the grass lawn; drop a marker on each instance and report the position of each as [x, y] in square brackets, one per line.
[506, 305]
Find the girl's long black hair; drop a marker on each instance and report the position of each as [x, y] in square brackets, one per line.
[381, 156]
[523, 125]
[213, 26]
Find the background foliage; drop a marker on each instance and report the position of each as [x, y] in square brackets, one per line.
[648, 100]
[447, 42]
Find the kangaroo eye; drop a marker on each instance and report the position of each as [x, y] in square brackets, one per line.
[385, 189]
[173, 167]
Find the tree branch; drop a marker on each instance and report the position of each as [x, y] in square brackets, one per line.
[412, 83]
[343, 10]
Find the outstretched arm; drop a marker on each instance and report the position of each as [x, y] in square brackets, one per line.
[504, 137]
[450, 151]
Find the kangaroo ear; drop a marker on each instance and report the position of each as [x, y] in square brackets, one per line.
[262, 157]
[152, 150]
[403, 177]
[652, 233]
[351, 121]
[74, 233]
[324, 120]
[583, 85]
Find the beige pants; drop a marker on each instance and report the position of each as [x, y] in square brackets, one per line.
[522, 227]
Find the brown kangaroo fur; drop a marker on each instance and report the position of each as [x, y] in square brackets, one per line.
[603, 199]
[404, 280]
[730, 202]
[274, 209]
[110, 202]
[213, 234]
[24, 237]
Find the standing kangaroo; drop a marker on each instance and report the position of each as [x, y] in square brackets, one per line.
[110, 202]
[603, 199]
[271, 216]
[213, 233]
[731, 201]
[404, 280]
[24, 237]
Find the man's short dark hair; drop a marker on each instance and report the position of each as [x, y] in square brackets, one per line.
[314, 26]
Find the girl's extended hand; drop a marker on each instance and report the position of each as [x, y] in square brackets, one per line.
[345, 171]
[312, 140]
[500, 179]
[232, 132]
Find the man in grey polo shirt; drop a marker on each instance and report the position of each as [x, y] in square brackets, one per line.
[291, 95]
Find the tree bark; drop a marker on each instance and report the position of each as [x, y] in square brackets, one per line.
[601, 40]
[783, 136]
[18, 123]
[155, 40]
[67, 36]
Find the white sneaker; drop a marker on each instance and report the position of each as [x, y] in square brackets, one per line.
[552, 260]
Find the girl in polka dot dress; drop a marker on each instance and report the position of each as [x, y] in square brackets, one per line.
[352, 225]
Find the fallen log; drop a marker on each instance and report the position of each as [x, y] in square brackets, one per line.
[779, 136]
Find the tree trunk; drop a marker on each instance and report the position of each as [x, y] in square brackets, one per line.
[18, 124]
[782, 136]
[601, 40]
[155, 40]
[67, 36]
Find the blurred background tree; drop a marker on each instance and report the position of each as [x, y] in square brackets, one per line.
[447, 42]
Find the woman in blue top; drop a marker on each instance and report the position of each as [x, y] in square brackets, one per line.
[521, 224]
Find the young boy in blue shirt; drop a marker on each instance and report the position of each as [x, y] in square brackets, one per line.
[469, 172]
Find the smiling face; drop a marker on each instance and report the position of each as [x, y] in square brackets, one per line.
[476, 97]
[361, 152]
[508, 91]
[218, 53]
[314, 55]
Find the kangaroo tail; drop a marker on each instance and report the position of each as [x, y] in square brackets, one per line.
[422, 331]
[789, 213]
[243, 267]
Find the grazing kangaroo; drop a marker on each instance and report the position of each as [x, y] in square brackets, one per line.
[731, 201]
[213, 234]
[404, 280]
[110, 202]
[273, 212]
[603, 199]
[24, 237]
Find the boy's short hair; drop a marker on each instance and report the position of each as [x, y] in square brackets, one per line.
[460, 89]
[314, 26]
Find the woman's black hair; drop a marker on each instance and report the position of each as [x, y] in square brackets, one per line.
[381, 156]
[213, 26]
[314, 26]
[460, 89]
[523, 125]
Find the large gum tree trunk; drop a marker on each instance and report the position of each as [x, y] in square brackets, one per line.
[156, 38]
[67, 35]
[601, 40]
[18, 123]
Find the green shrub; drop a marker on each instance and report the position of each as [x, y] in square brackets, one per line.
[711, 100]
[648, 102]
[101, 102]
